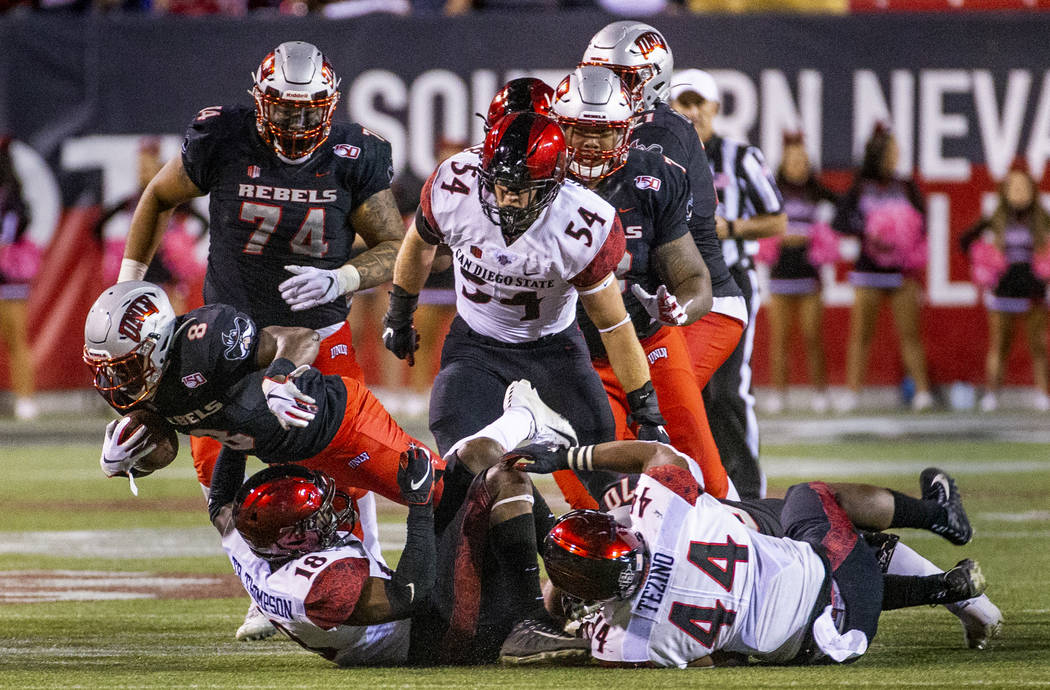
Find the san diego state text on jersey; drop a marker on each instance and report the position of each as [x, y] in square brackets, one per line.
[266, 214]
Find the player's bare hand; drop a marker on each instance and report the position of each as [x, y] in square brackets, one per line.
[292, 407]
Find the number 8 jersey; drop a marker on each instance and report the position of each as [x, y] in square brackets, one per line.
[712, 583]
[525, 290]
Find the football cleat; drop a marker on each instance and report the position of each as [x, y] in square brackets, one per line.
[548, 426]
[533, 641]
[982, 621]
[937, 485]
[964, 581]
[256, 626]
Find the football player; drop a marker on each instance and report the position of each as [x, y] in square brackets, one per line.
[526, 244]
[664, 279]
[453, 598]
[642, 58]
[524, 94]
[811, 513]
[289, 190]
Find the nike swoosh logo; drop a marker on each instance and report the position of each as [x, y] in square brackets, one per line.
[411, 591]
[416, 485]
[625, 210]
[322, 174]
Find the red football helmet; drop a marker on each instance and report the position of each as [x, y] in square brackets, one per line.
[523, 94]
[295, 96]
[594, 558]
[524, 153]
[287, 511]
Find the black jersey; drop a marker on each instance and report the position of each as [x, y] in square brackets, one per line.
[863, 197]
[211, 387]
[266, 214]
[651, 196]
[667, 132]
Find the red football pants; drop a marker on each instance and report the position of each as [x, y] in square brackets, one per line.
[336, 356]
[681, 403]
[710, 341]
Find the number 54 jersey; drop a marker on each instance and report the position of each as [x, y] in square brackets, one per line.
[712, 584]
[527, 289]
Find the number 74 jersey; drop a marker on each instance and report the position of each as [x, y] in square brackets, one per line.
[712, 584]
[527, 289]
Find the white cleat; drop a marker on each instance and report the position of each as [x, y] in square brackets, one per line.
[547, 425]
[256, 626]
[982, 621]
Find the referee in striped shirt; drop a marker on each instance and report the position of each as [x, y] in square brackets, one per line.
[749, 208]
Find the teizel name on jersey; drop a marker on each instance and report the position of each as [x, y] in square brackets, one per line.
[309, 196]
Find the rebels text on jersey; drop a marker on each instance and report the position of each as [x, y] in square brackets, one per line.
[266, 214]
[520, 292]
[211, 388]
[651, 196]
[667, 132]
[310, 599]
[712, 583]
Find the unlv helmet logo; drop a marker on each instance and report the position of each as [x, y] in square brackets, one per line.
[134, 316]
[648, 42]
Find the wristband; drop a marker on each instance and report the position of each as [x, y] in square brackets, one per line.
[643, 405]
[402, 306]
[731, 228]
[280, 367]
[131, 270]
[349, 278]
[580, 458]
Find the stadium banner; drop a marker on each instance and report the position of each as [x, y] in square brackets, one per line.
[965, 94]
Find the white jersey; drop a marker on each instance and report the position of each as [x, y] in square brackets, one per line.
[526, 290]
[310, 597]
[712, 584]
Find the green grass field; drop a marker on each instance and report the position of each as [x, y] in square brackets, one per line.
[64, 525]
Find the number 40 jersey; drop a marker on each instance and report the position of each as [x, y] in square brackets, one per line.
[525, 290]
[713, 584]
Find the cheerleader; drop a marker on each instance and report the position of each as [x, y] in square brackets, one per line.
[885, 212]
[1009, 256]
[795, 287]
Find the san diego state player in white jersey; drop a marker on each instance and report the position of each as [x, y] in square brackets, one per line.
[526, 244]
[663, 276]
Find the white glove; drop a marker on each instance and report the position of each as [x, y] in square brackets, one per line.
[118, 459]
[663, 306]
[292, 407]
[311, 287]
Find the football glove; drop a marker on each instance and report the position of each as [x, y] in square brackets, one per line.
[544, 458]
[292, 407]
[645, 414]
[119, 458]
[415, 476]
[399, 335]
[663, 306]
[311, 287]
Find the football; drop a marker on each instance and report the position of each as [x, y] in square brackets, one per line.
[157, 431]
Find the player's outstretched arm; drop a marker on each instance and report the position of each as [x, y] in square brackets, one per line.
[226, 479]
[626, 457]
[686, 276]
[169, 188]
[414, 261]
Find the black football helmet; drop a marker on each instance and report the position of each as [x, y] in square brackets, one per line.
[287, 511]
[523, 153]
[594, 558]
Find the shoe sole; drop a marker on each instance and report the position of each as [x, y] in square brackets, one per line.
[255, 637]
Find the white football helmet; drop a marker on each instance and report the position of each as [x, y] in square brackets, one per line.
[639, 55]
[127, 338]
[596, 111]
[295, 96]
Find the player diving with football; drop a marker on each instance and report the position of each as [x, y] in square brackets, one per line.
[752, 592]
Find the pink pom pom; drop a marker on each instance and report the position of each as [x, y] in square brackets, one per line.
[768, 250]
[180, 256]
[823, 245]
[1041, 264]
[20, 261]
[893, 236]
[987, 264]
[112, 255]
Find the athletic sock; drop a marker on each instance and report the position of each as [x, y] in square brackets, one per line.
[542, 517]
[513, 542]
[513, 426]
[900, 591]
[916, 512]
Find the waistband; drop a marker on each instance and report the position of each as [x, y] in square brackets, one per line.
[460, 328]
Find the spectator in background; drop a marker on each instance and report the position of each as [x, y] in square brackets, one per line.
[886, 212]
[19, 264]
[176, 266]
[795, 258]
[1009, 253]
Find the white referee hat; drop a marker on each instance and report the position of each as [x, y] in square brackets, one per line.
[695, 80]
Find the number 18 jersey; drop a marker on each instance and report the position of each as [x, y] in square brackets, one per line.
[712, 583]
[525, 290]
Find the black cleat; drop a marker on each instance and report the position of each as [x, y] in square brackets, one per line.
[937, 485]
[534, 641]
[964, 581]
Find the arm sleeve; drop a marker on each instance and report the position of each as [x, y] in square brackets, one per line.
[226, 479]
[606, 259]
[373, 171]
[335, 592]
[678, 480]
[761, 184]
[416, 572]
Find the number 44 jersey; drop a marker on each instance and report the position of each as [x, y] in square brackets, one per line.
[527, 289]
[712, 584]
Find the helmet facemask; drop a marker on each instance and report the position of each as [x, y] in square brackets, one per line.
[597, 113]
[125, 381]
[591, 163]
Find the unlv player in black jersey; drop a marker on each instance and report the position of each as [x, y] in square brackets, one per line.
[665, 281]
[641, 57]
